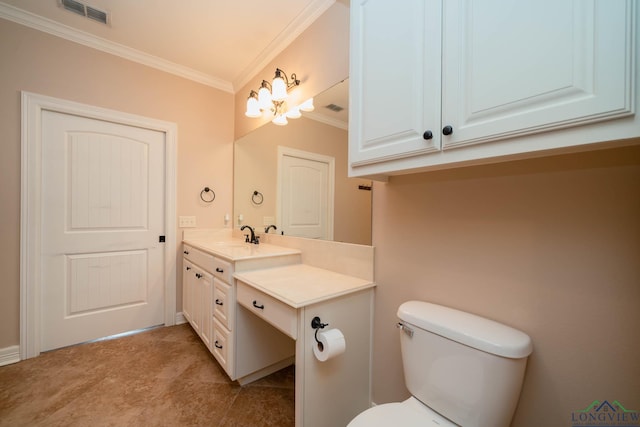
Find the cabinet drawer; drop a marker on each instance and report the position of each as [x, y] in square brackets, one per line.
[222, 269]
[198, 257]
[222, 302]
[221, 346]
[277, 313]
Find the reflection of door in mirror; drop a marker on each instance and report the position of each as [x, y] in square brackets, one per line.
[324, 132]
[305, 194]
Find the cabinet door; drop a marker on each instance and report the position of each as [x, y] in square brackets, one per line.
[395, 84]
[196, 299]
[187, 284]
[206, 315]
[516, 68]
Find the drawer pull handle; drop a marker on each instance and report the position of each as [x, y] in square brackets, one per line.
[219, 270]
[255, 304]
[198, 275]
[186, 252]
[217, 345]
[188, 268]
[219, 302]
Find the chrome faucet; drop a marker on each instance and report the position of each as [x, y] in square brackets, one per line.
[266, 230]
[254, 238]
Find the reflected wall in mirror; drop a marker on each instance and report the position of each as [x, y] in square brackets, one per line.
[321, 134]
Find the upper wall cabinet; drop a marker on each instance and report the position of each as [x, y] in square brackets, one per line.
[437, 83]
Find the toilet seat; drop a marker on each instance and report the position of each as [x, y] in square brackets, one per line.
[410, 413]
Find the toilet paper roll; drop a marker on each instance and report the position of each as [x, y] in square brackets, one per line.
[331, 344]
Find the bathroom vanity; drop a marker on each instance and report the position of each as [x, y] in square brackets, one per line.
[253, 306]
[209, 301]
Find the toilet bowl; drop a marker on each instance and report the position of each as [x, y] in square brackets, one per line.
[410, 413]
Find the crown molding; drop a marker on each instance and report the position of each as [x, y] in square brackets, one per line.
[63, 31]
[284, 39]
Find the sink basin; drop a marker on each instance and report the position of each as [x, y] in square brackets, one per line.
[236, 249]
[230, 244]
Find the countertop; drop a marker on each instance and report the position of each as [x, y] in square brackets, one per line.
[237, 249]
[299, 285]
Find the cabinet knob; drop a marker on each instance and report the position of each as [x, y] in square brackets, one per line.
[219, 270]
[186, 252]
[427, 134]
[198, 275]
[188, 268]
[447, 130]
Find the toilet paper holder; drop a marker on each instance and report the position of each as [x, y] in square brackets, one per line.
[317, 324]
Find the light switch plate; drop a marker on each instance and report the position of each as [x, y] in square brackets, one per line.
[187, 221]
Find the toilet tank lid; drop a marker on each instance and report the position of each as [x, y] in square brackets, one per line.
[466, 328]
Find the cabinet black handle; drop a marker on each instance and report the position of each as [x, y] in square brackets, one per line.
[188, 268]
[219, 270]
[219, 302]
[447, 130]
[217, 345]
[255, 304]
[198, 275]
[186, 252]
[427, 134]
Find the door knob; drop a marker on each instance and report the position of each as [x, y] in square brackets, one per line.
[447, 130]
[427, 134]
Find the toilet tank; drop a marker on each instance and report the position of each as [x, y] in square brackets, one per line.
[465, 367]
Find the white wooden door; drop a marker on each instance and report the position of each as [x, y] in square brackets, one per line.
[103, 199]
[515, 68]
[306, 183]
[395, 97]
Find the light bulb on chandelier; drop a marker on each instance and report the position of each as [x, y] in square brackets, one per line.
[271, 97]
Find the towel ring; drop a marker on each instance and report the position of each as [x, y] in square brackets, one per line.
[257, 197]
[210, 198]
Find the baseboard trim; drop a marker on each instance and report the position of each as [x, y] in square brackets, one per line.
[180, 319]
[9, 355]
[266, 371]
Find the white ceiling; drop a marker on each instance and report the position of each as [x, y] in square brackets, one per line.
[220, 43]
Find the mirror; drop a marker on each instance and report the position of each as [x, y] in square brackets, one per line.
[298, 158]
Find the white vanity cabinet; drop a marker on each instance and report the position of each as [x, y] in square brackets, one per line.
[331, 392]
[435, 83]
[209, 305]
[208, 302]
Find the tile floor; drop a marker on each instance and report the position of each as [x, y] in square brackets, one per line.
[161, 377]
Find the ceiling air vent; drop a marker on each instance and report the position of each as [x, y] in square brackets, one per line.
[84, 10]
[334, 107]
[96, 14]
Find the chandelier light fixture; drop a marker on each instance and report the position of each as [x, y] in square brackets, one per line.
[271, 98]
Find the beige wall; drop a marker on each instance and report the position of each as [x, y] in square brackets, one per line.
[256, 168]
[550, 246]
[36, 62]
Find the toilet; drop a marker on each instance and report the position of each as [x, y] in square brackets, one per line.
[461, 370]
